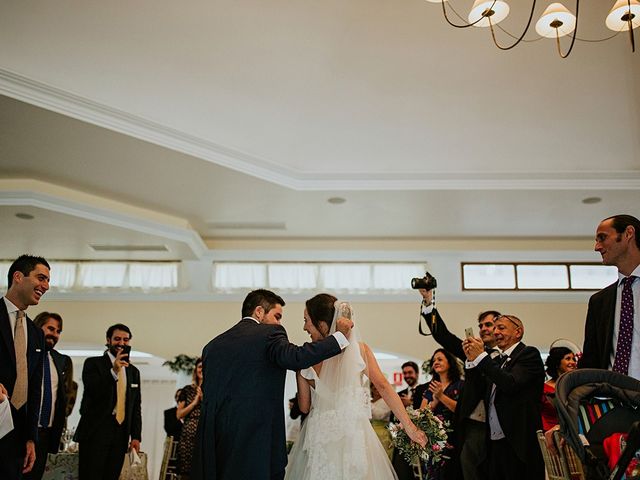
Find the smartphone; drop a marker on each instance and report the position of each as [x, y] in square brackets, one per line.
[126, 350]
[468, 332]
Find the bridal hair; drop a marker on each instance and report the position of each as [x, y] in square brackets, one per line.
[260, 298]
[321, 309]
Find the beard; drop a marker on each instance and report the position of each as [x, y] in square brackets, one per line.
[49, 342]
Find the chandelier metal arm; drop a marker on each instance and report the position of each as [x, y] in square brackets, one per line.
[446, 17]
[573, 37]
[630, 23]
[526, 29]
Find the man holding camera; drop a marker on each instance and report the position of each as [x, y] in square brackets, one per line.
[110, 412]
[470, 412]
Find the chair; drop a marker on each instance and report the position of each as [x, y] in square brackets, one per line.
[168, 466]
[416, 467]
[564, 465]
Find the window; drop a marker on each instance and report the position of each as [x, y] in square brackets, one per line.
[69, 276]
[354, 277]
[536, 276]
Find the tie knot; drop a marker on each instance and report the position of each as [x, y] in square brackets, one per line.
[629, 281]
[20, 315]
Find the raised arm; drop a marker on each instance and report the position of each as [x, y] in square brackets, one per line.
[390, 396]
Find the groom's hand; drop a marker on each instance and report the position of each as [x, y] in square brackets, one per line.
[344, 326]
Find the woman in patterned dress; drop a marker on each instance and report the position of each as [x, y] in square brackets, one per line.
[189, 411]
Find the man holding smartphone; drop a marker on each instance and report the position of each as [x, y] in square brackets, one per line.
[110, 413]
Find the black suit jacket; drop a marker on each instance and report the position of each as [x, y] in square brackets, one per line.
[172, 425]
[99, 400]
[418, 394]
[598, 330]
[25, 420]
[471, 394]
[517, 400]
[241, 430]
[64, 368]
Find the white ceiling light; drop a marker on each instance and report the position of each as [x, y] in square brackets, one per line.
[556, 21]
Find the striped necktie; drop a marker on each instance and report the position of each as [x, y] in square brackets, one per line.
[121, 395]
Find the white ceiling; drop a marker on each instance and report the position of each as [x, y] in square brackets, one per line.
[253, 114]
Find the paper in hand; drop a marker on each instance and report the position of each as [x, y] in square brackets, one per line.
[6, 422]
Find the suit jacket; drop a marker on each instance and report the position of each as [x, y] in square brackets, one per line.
[598, 331]
[418, 394]
[471, 394]
[99, 400]
[519, 386]
[64, 368]
[241, 430]
[25, 420]
[172, 425]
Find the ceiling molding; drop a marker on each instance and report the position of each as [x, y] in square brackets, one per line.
[66, 103]
[18, 193]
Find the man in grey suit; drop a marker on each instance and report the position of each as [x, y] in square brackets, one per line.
[618, 242]
[241, 433]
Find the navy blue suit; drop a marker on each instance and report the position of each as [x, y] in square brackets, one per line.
[25, 420]
[241, 434]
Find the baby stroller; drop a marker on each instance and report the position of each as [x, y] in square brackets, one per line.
[592, 405]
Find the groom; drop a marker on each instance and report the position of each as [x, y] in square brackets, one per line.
[241, 434]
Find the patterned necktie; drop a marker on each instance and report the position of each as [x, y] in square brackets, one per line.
[121, 396]
[625, 331]
[20, 388]
[45, 413]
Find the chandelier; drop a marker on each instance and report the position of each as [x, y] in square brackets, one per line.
[556, 21]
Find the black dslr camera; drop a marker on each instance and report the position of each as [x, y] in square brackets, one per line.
[428, 282]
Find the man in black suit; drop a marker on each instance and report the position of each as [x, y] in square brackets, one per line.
[21, 357]
[470, 414]
[58, 370]
[241, 430]
[513, 385]
[110, 412]
[618, 242]
[411, 397]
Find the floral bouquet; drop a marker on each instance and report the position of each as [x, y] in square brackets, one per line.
[436, 431]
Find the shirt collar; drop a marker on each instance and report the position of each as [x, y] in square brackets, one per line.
[11, 308]
[635, 272]
[510, 350]
[250, 318]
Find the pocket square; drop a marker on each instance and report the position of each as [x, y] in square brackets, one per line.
[38, 350]
[134, 385]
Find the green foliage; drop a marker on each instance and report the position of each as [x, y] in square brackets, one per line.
[181, 363]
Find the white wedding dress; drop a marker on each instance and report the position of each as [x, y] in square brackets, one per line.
[336, 441]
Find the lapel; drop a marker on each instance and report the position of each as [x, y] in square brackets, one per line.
[58, 361]
[607, 315]
[35, 348]
[514, 356]
[5, 331]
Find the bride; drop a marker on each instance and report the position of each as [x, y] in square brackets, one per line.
[337, 441]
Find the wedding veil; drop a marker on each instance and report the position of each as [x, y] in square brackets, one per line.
[341, 403]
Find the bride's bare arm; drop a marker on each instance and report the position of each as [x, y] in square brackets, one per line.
[390, 396]
[304, 393]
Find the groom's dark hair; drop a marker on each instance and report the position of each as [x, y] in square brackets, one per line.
[260, 298]
[321, 309]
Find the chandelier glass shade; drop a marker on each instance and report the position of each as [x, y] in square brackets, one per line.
[555, 22]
